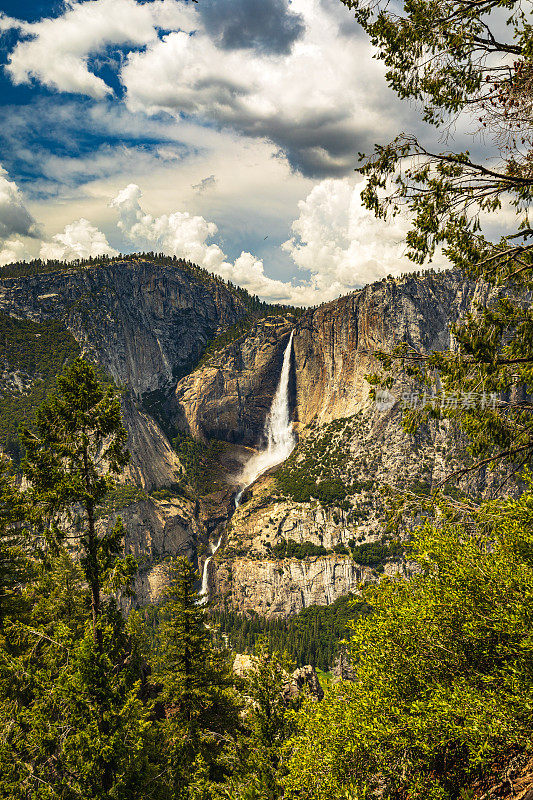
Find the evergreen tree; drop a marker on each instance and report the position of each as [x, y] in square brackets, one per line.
[200, 707]
[70, 676]
[79, 444]
[15, 564]
[268, 720]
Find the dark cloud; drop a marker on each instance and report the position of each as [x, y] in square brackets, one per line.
[268, 26]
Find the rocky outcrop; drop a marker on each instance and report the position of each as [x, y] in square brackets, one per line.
[304, 679]
[144, 323]
[344, 437]
[229, 397]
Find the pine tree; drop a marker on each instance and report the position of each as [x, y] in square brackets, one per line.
[268, 721]
[70, 676]
[200, 709]
[15, 549]
[79, 444]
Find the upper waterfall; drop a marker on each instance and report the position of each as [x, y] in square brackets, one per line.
[280, 440]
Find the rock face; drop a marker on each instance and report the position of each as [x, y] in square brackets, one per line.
[229, 398]
[343, 437]
[147, 324]
[304, 678]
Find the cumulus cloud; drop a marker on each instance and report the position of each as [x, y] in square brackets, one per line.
[80, 239]
[16, 222]
[269, 26]
[321, 102]
[295, 74]
[56, 50]
[13, 250]
[14, 216]
[336, 240]
[188, 236]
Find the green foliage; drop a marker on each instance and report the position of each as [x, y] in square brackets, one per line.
[195, 680]
[15, 564]
[72, 720]
[318, 467]
[312, 636]
[289, 548]
[121, 496]
[303, 481]
[444, 669]
[201, 461]
[448, 55]
[268, 722]
[79, 444]
[372, 553]
[39, 350]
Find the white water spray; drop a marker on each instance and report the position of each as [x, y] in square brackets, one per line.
[278, 431]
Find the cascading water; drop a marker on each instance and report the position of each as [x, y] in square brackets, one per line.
[204, 591]
[278, 431]
[280, 444]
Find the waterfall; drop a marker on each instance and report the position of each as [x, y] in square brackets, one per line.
[204, 591]
[279, 435]
[280, 443]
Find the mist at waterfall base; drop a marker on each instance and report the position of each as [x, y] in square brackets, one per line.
[280, 443]
[278, 431]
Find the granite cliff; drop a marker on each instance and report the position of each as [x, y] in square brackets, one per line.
[307, 531]
[328, 494]
[145, 324]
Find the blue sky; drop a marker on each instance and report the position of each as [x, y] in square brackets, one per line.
[225, 131]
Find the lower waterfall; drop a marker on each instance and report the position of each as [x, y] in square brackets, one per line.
[280, 443]
[204, 591]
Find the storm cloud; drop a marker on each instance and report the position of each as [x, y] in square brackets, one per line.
[268, 26]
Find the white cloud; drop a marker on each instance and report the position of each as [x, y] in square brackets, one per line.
[187, 236]
[58, 49]
[16, 222]
[337, 240]
[80, 239]
[13, 250]
[319, 102]
[14, 216]
[337, 244]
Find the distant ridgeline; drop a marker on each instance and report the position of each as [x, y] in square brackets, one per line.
[33, 353]
[24, 269]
